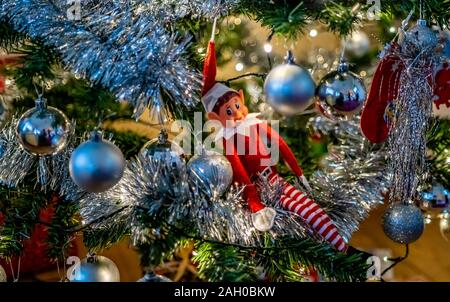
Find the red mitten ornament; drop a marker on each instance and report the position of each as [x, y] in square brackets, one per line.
[442, 87]
[375, 118]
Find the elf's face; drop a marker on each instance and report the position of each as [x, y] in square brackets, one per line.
[231, 112]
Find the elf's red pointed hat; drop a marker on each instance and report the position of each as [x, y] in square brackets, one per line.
[212, 90]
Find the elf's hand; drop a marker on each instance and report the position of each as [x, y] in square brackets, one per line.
[263, 219]
[305, 182]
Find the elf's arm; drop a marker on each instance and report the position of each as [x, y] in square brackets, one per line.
[276, 140]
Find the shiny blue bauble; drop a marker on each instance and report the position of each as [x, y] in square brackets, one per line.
[96, 165]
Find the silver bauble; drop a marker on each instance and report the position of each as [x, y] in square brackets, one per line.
[403, 223]
[434, 202]
[43, 130]
[163, 150]
[357, 44]
[166, 157]
[211, 171]
[95, 269]
[437, 198]
[418, 39]
[3, 277]
[343, 91]
[289, 88]
[152, 277]
[96, 165]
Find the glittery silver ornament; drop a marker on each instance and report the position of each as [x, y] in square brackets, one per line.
[96, 165]
[342, 90]
[94, 269]
[152, 277]
[446, 49]
[403, 223]
[418, 38]
[211, 171]
[3, 277]
[407, 162]
[43, 130]
[289, 88]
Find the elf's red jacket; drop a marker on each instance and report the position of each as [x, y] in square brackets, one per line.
[249, 154]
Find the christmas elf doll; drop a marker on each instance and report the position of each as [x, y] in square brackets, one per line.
[243, 136]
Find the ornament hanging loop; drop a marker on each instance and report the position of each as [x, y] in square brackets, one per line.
[213, 31]
[289, 59]
[40, 103]
[421, 14]
[163, 136]
[15, 278]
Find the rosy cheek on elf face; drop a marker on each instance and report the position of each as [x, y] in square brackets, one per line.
[232, 112]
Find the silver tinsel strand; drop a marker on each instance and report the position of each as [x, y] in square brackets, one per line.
[116, 45]
[153, 187]
[355, 179]
[413, 109]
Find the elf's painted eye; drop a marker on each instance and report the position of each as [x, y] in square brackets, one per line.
[238, 106]
[229, 112]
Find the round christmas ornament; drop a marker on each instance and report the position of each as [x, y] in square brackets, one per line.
[96, 165]
[289, 88]
[152, 277]
[211, 171]
[161, 149]
[43, 130]
[166, 157]
[418, 38]
[403, 223]
[437, 198]
[357, 44]
[434, 202]
[95, 268]
[341, 92]
[3, 277]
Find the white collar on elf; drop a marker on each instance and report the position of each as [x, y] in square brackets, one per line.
[241, 128]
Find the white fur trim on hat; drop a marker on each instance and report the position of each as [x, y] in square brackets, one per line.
[212, 96]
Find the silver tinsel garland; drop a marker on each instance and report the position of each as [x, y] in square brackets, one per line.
[413, 109]
[116, 45]
[352, 186]
[355, 179]
[153, 187]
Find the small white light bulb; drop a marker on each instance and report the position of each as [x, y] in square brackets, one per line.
[268, 47]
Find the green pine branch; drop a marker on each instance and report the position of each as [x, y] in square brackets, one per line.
[20, 209]
[64, 218]
[216, 262]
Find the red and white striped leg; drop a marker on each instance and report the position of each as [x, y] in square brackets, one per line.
[295, 201]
